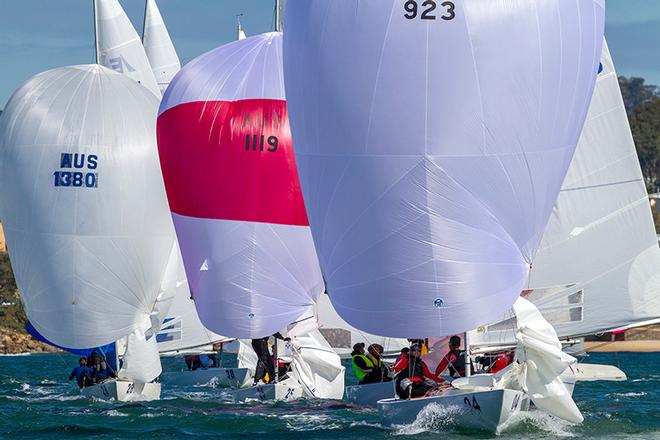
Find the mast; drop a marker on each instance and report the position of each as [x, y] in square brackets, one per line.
[468, 360]
[96, 33]
[278, 15]
[144, 21]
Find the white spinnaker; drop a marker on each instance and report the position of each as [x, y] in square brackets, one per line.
[342, 336]
[431, 152]
[181, 329]
[140, 361]
[158, 46]
[88, 252]
[541, 362]
[598, 267]
[118, 44]
[240, 33]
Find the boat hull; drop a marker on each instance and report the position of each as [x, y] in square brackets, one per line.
[218, 377]
[370, 394]
[487, 410]
[283, 392]
[123, 391]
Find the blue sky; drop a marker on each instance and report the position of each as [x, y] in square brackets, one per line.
[36, 35]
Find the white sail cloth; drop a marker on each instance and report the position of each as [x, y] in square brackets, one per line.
[83, 206]
[541, 363]
[239, 214]
[119, 46]
[316, 366]
[141, 361]
[431, 152]
[158, 46]
[179, 327]
[598, 266]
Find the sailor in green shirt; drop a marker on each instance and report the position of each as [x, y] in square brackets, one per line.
[362, 365]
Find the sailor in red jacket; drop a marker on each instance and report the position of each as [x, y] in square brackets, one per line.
[454, 359]
[413, 377]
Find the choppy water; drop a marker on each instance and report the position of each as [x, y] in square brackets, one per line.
[37, 402]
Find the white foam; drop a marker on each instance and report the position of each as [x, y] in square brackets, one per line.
[554, 426]
[432, 417]
[15, 354]
[115, 413]
[629, 394]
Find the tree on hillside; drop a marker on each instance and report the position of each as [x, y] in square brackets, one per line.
[636, 92]
[645, 125]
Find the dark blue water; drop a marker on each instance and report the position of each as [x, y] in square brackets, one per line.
[37, 402]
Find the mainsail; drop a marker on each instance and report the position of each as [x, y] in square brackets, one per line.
[598, 267]
[118, 45]
[83, 207]
[158, 46]
[431, 145]
[230, 173]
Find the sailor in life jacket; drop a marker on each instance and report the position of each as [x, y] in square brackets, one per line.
[454, 359]
[413, 377]
[362, 365]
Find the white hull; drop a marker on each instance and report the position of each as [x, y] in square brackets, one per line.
[487, 410]
[279, 391]
[370, 394]
[123, 391]
[218, 377]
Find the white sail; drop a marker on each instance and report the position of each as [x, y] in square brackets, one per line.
[240, 33]
[540, 364]
[598, 267]
[233, 188]
[118, 44]
[342, 336]
[180, 327]
[158, 46]
[316, 366]
[84, 208]
[431, 145]
[141, 361]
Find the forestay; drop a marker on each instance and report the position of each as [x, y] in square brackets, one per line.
[158, 46]
[83, 207]
[432, 140]
[230, 173]
[598, 267]
[118, 45]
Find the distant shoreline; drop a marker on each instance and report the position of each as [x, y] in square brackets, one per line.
[622, 346]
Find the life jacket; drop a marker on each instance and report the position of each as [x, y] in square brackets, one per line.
[457, 367]
[415, 374]
[357, 370]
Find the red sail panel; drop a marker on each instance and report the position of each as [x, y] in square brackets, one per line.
[238, 162]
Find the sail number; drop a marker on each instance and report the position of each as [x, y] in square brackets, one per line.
[77, 179]
[258, 143]
[428, 10]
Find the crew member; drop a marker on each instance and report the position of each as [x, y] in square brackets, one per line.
[265, 363]
[454, 359]
[380, 372]
[82, 373]
[362, 365]
[413, 377]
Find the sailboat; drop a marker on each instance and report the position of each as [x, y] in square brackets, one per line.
[118, 45]
[232, 184]
[602, 223]
[240, 32]
[85, 216]
[158, 46]
[432, 142]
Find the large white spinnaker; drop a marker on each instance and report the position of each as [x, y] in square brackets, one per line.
[158, 46]
[598, 267]
[118, 45]
[231, 178]
[84, 209]
[431, 144]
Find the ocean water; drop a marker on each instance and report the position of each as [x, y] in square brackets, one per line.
[37, 402]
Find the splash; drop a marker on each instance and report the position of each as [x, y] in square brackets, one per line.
[553, 426]
[432, 418]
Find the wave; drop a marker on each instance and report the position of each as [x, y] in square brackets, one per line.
[431, 418]
[27, 353]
